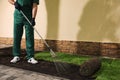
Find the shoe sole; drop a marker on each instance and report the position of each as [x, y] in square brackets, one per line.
[15, 62]
[32, 63]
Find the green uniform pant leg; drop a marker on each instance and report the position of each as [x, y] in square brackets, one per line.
[29, 32]
[18, 31]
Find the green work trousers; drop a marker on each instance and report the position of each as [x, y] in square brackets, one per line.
[21, 23]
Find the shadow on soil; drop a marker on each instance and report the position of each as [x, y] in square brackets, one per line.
[72, 72]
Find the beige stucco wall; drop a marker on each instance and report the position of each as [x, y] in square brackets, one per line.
[76, 20]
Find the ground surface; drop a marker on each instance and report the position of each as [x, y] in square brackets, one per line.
[71, 72]
[12, 73]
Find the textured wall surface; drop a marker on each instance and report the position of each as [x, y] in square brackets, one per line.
[71, 20]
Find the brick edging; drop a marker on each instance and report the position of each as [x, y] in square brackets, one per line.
[74, 47]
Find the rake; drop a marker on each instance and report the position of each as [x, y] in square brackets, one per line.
[59, 66]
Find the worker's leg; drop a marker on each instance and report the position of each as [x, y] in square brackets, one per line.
[18, 32]
[29, 32]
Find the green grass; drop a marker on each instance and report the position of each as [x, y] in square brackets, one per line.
[61, 57]
[110, 69]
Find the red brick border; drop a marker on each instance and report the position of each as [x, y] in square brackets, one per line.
[74, 47]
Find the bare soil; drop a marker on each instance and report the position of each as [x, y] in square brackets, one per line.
[46, 67]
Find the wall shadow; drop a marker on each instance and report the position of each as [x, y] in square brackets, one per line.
[52, 7]
[96, 24]
[53, 18]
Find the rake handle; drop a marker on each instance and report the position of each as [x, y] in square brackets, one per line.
[50, 49]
